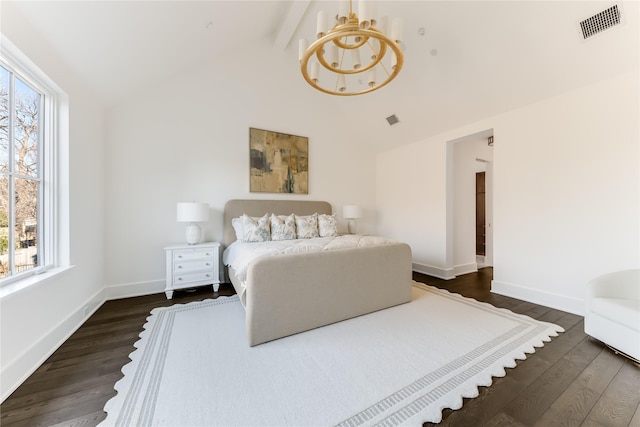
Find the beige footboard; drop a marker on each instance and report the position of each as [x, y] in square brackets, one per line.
[287, 294]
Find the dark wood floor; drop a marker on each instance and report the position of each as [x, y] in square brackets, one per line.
[571, 381]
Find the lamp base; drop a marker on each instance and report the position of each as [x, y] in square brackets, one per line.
[352, 226]
[193, 234]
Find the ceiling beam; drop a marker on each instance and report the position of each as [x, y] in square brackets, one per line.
[291, 22]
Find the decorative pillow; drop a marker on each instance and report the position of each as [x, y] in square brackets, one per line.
[307, 226]
[283, 227]
[327, 225]
[236, 223]
[255, 229]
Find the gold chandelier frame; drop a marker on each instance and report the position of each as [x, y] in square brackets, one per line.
[348, 36]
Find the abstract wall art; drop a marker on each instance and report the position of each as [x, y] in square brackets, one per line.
[279, 163]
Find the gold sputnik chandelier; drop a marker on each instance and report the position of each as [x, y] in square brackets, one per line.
[355, 56]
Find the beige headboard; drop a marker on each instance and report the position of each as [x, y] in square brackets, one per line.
[235, 208]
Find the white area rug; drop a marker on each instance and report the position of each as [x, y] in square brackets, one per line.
[399, 366]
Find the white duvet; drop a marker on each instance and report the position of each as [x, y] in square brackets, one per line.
[239, 255]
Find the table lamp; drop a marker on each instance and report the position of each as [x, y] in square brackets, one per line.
[351, 213]
[193, 212]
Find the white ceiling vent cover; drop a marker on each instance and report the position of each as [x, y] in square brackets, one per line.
[600, 22]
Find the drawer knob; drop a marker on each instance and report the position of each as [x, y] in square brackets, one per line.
[179, 266]
[208, 275]
[207, 264]
[179, 278]
[179, 256]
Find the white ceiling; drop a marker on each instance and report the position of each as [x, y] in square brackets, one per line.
[475, 59]
[117, 47]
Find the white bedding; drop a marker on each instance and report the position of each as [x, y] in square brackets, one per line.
[239, 255]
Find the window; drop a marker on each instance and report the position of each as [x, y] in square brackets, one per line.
[28, 119]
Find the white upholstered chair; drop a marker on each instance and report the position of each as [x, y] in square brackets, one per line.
[612, 312]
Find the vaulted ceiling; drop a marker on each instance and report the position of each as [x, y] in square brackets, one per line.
[464, 60]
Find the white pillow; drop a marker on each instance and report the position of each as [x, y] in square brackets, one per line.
[255, 229]
[283, 227]
[307, 226]
[236, 223]
[327, 225]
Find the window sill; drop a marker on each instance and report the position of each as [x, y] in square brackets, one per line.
[27, 282]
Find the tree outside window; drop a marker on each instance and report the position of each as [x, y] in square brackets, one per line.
[20, 180]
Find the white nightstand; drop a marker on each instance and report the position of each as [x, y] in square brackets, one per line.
[189, 266]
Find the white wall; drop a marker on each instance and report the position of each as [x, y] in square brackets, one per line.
[567, 187]
[411, 202]
[566, 193]
[35, 320]
[188, 139]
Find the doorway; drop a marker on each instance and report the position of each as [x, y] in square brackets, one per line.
[469, 203]
[481, 214]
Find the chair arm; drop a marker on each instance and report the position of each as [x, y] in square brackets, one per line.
[619, 284]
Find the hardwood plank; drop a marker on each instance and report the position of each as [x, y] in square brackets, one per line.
[50, 412]
[533, 402]
[488, 404]
[87, 420]
[601, 371]
[620, 400]
[552, 316]
[635, 421]
[537, 311]
[575, 404]
[556, 349]
[503, 420]
[570, 409]
[530, 405]
[48, 392]
[530, 369]
[569, 320]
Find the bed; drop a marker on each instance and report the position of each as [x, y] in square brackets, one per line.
[296, 292]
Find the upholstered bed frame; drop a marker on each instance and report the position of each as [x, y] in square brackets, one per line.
[288, 294]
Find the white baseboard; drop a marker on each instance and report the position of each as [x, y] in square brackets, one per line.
[128, 290]
[536, 296]
[439, 272]
[459, 270]
[445, 273]
[16, 372]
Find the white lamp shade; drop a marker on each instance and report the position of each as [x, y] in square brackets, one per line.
[333, 55]
[322, 24]
[303, 44]
[351, 211]
[193, 212]
[343, 11]
[396, 29]
[314, 72]
[342, 85]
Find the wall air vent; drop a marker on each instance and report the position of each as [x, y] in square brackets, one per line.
[600, 22]
[392, 120]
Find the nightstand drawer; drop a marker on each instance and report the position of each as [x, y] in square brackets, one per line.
[193, 277]
[181, 267]
[192, 254]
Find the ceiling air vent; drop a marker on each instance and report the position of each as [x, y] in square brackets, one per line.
[392, 120]
[600, 22]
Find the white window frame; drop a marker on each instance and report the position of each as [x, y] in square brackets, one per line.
[53, 245]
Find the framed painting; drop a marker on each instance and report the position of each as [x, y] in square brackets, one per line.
[279, 163]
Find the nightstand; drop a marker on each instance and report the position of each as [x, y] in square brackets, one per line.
[189, 266]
